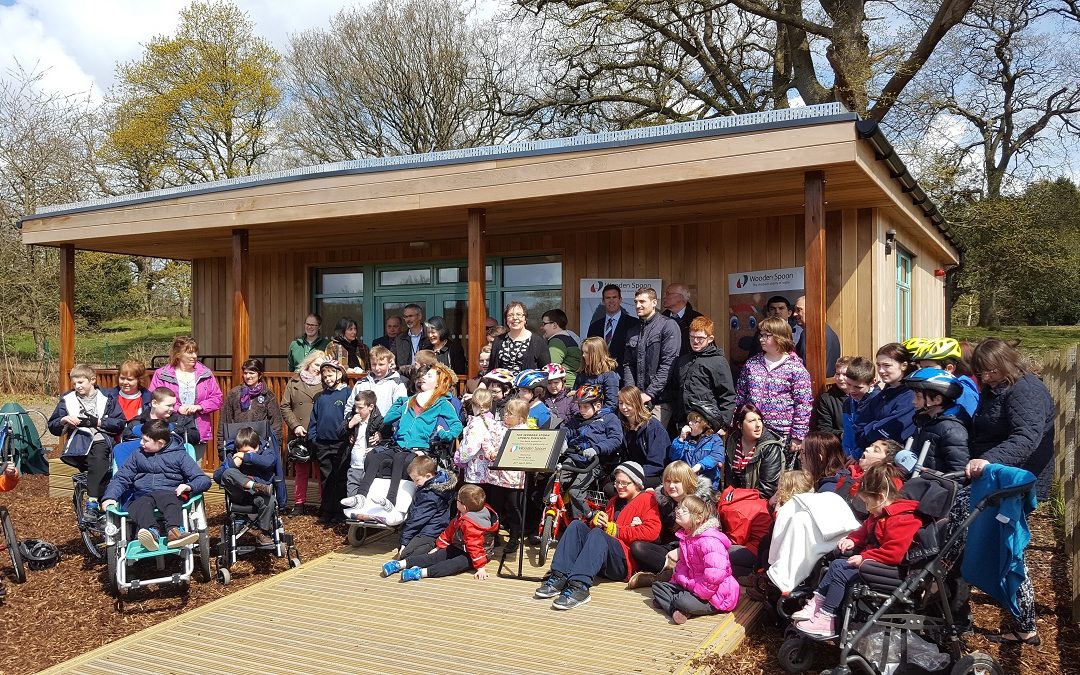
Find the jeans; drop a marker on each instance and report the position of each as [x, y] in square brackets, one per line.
[587, 552]
[835, 583]
[670, 597]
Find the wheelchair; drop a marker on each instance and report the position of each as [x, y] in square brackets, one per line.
[240, 518]
[123, 550]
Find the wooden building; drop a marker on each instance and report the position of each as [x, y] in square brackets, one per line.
[466, 231]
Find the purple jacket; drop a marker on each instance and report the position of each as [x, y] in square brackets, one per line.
[704, 568]
[207, 394]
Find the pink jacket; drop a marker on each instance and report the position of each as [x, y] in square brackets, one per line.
[207, 394]
[704, 568]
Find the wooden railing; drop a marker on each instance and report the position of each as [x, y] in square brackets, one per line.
[1061, 372]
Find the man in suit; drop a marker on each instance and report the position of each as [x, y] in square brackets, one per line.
[677, 306]
[832, 340]
[613, 324]
[413, 339]
[394, 326]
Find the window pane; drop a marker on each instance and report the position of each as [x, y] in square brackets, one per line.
[460, 275]
[537, 302]
[333, 309]
[340, 282]
[543, 270]
[420, 275]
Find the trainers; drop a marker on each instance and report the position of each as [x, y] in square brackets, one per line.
[572, 596]
[386, 504]
[412, 574]
[178, 538]
[263, 539]
[265, 489]
[93, 509]
[810, 609]
[641, 580]
[148, 537]
[820, 625]
[392, 567]
[354, 502]
[678, 618]
[551, 587]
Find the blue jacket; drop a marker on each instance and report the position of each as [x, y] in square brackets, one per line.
[144, 473]
[608, 383]
[146, 397]
[994, 554]
[110, 422]
[887, 415]
[852, 409]
[260, 466]
[602, 432]
[430, 511]
[417, 430]
[648, 446]
[948, 442]
[327, 425]
[539, 412]
[968, 403]
[708, 451]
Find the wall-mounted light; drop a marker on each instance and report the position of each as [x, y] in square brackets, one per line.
[890, 239]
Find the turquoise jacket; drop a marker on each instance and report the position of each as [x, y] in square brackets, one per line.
[418, 430]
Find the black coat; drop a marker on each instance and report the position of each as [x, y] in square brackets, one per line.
[452, 355]
[764, 469]
[948, 442]
[536, 354]
[704, 376]
[652, 347]
[688, 316]
[832, 349]
[828, 413]
[1014, 426]
[402, 347]
[617, 346]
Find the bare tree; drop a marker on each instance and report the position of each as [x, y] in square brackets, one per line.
[397, 77]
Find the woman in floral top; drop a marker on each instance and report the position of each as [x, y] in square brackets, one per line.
[520, 348]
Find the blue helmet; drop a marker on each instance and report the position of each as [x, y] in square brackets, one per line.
[527, 379]
[935, 381]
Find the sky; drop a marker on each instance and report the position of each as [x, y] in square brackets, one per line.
[77, 43]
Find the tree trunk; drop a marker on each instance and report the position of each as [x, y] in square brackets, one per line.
[988, 310]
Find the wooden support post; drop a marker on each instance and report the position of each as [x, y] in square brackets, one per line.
[241, 320]
[477, 305]
[814, 225]
[67, 314]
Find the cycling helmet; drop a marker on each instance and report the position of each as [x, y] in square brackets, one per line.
[708, 411]
[914, 346]
[500, 375]
[38, 554]
[588, 393]
[939, 349]
[299, 452]
[555, 371]
[527, 379]
[935, 381]
[331, 363]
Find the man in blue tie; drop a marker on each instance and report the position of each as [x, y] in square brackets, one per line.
[613, 323]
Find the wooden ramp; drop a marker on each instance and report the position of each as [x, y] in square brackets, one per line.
[336, 615]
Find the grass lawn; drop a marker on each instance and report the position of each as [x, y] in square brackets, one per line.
[116, 340]
[1033, 340]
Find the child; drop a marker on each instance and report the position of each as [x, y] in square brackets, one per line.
[945, 353]
[91, 420]
[828, 412]
[480, 440]
[599, 368]
[846, 481]
[699, 445]
[430, 511]
[531, 387]
[466, 543]
[363, 429]
[859, 379]
[702, 583]
[328, 432]
[473, 383]
[499, 382]
[884, 538]
[130, 394]
[159, 476]
[248, 476]
[163, 407]
[595, 430]
[507, 488]
[383, 379]
[559, 399]
[791, 483]
[936, 392]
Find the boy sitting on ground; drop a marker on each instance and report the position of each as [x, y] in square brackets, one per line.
[466, 543]
[161, 475]
[248, 476]
[430, 511]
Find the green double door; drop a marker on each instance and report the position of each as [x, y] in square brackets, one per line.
[452, 307]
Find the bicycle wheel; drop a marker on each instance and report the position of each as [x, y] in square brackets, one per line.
[545, 539]
[91, 530]
[12, 543]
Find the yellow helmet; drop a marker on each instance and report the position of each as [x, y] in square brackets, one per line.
[939, 349]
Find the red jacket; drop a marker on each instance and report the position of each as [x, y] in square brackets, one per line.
[888, 536]
[644, 508]
[473, 532]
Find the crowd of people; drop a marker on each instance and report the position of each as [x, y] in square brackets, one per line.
[697, 465]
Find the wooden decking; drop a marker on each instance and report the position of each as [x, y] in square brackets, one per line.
[336, 615]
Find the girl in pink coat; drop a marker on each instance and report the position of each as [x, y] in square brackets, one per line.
[702, 583]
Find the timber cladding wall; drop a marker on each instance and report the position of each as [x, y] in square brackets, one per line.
[698, 254]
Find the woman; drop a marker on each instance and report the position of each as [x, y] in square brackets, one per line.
[645, 440]
[195, 387]
[1013, 426]
[822, 456]
[130, 395]
[651, 557]
[346, 349]
[776, 383]
[250, 402]
[891, 413]
[447, 350]
[703, 374]
[520, 349]
[296, 404]
[755, 455]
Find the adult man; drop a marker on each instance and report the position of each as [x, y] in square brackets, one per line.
[614, 324]
[393, 328]
[307, 342]
[564, 349]
[652, 347]
[413, 339]
[677, 306]
[832, 340]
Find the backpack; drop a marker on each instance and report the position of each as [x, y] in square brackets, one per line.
[744, 516]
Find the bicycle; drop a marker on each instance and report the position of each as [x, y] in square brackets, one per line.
[8, 434]
[556, 502]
